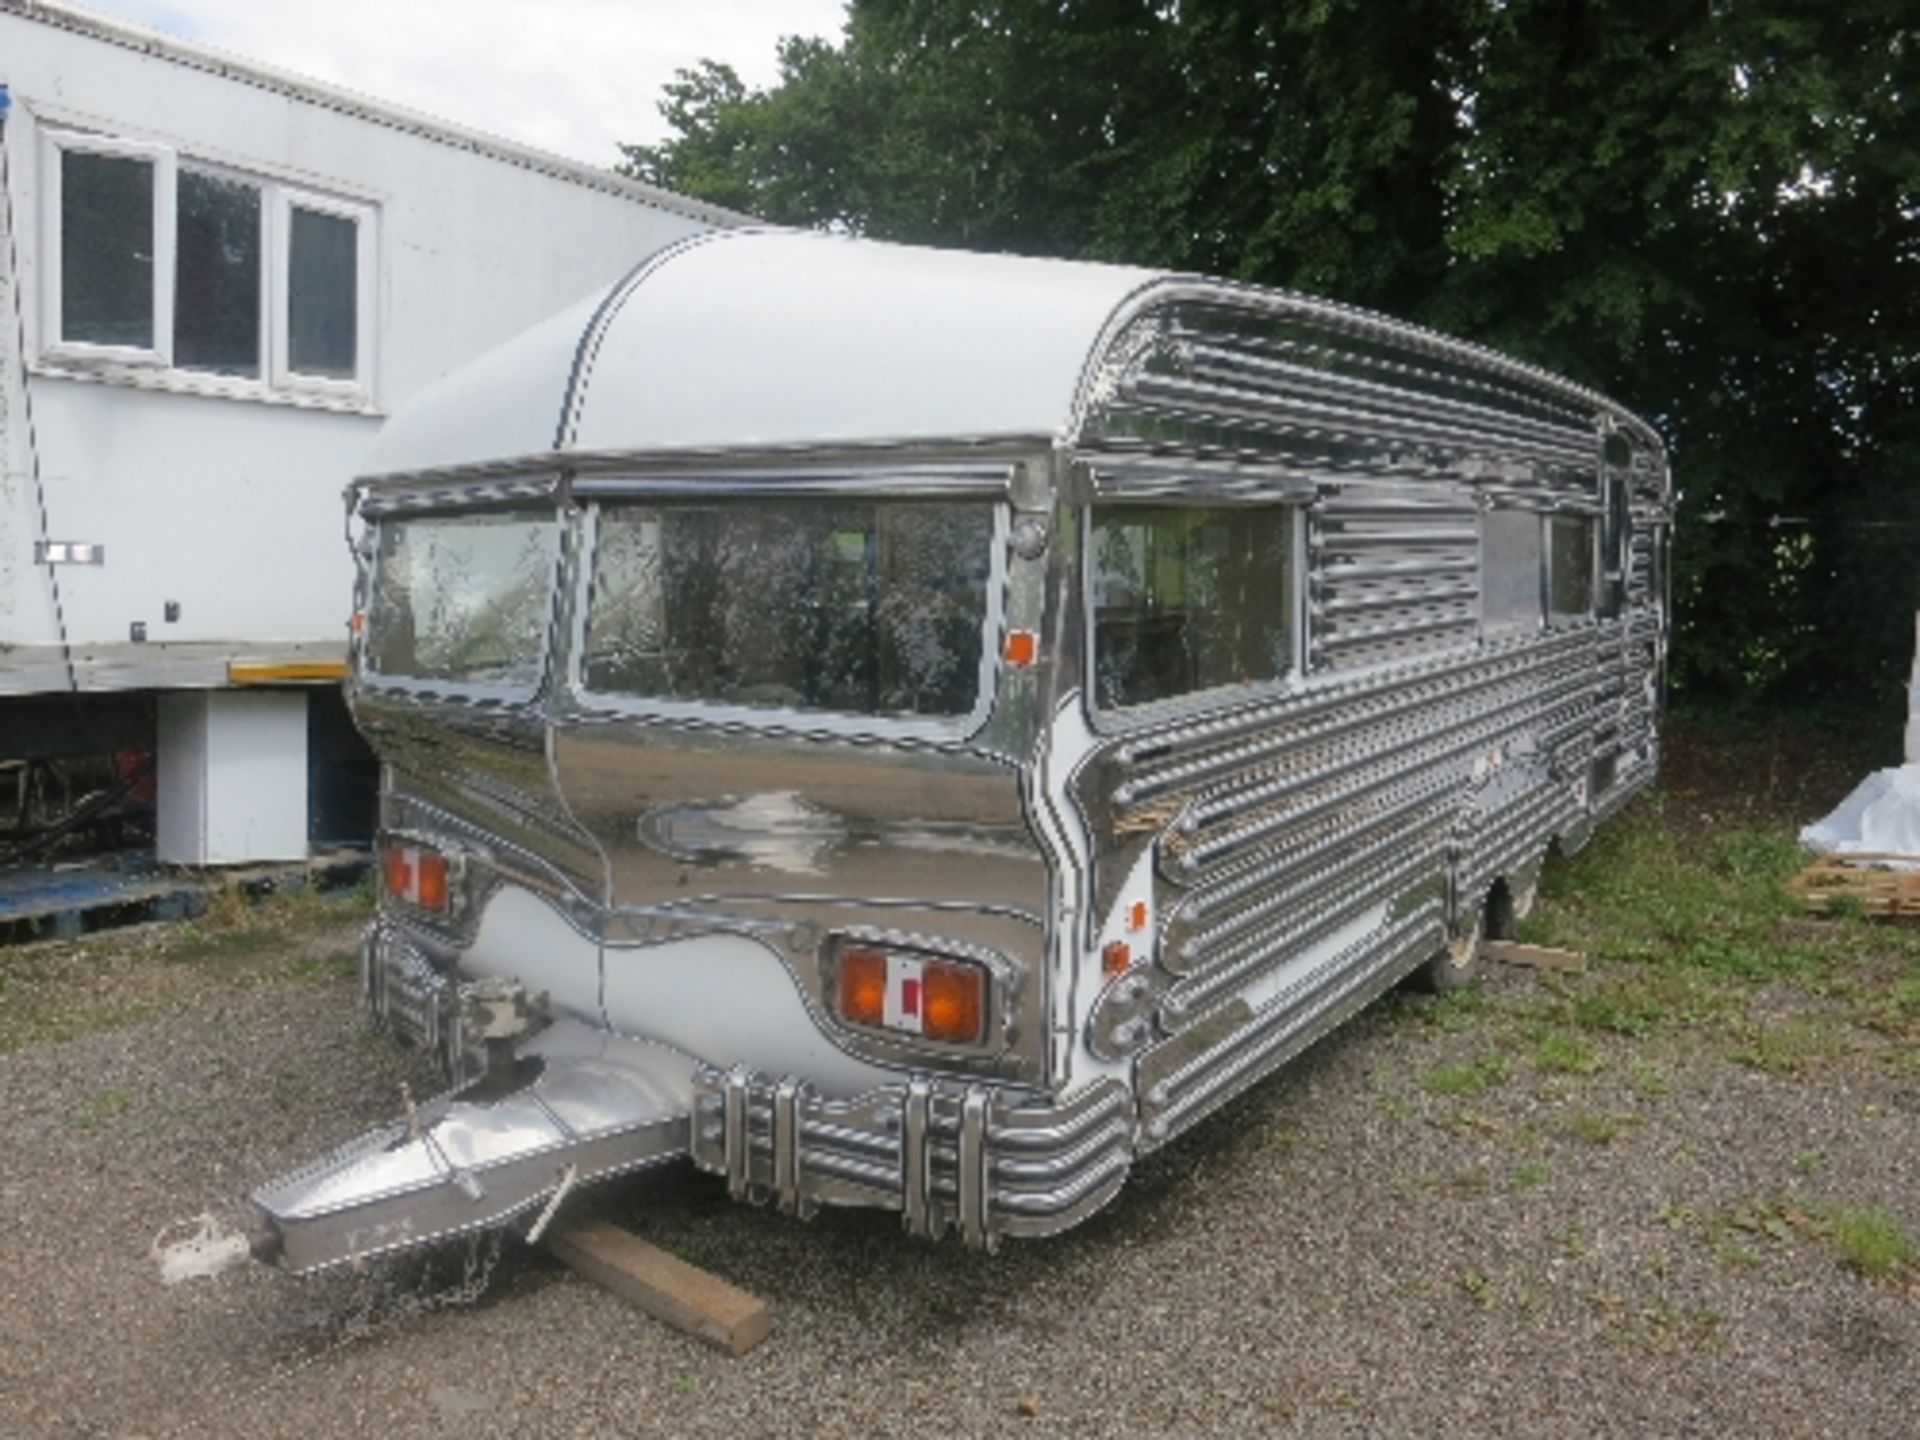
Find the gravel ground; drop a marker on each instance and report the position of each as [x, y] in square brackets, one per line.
[1422, 1228]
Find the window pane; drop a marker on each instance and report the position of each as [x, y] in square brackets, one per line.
[1510, 570]
[462, 598]
[216, 298]
[323, 257]
[1571, 570]
[874, 608]
[106, 249]
[1189, 598]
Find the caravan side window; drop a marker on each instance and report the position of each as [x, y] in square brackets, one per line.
[1570, 569]
[1189, 598]
[237, 283]
[1510, 571]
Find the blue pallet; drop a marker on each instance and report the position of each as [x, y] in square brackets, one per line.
[59, 900]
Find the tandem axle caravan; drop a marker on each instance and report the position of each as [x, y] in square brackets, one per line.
[920, 730]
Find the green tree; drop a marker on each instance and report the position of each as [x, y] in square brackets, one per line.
[1708, 208]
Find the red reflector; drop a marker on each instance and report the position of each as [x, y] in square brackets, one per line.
[953, 1001]
[1116, 957]
[1021, 647]
[399, 871]
[863, 986]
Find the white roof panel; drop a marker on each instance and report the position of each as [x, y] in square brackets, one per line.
[794, 338]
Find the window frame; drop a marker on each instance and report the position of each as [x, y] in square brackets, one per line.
[1201, 496]
[155, 365]
[788, 719]
[280, 203]
[497, 693]
[55, 145]
[1555, 618]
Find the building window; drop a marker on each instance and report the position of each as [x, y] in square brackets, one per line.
[216, 276]
[156, 262]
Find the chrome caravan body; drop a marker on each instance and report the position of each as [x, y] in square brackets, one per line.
[1148, 670]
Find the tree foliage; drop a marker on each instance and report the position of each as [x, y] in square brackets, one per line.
[1709, 209]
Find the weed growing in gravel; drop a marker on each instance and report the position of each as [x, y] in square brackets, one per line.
[1561, 1053]
[1871, 1242]
[102, 1107]
[1595, 1127]
[1784, 1049]
[1527, 1176]
[1473, 1079]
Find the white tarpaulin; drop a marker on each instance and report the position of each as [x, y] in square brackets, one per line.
[1881, 817]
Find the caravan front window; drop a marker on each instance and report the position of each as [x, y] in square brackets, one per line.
[869, 607]
[1188, 598]
[462, 599]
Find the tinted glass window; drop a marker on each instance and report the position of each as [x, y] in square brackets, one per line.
[106, 249]
[875, 608]
[1189, 598]
[1570, 568]
[323, 257]
[462, 599]
[216, 301]
[1510, 577]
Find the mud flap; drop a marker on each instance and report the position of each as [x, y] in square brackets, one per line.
[595, 1105]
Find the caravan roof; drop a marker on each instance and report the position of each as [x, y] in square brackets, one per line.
[780, 339]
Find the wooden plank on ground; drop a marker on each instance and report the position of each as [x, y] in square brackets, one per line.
[1539, 957]
[1883, 885]
[665, 1286]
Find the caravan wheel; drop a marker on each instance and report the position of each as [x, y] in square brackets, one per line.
[1457, 963]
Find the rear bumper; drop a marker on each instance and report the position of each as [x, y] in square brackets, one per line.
[947, 1156]
[983, 1160]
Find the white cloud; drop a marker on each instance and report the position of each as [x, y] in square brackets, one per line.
[572, 76]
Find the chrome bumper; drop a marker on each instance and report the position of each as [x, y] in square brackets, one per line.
[945, 1155]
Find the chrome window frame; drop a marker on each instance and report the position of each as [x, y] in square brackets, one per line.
[911, 483]
[1196, 486]
[541, 498]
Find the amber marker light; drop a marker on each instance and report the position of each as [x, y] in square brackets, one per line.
[415, 874]
[1137, 916]
[1022, 647]
[863, 986]
[954, 1001]
[1117, 956]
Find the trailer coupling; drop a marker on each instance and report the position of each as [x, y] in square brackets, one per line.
[581, 1104]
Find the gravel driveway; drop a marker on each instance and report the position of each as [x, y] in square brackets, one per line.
[1444, 1221]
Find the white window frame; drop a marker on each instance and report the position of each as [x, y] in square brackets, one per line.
[282, 200]
[155, 365]
[55, 146]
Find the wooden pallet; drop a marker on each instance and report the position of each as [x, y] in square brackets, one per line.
[1863, 881]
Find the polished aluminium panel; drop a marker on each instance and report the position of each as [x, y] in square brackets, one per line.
[1314, 840]
[786, 827]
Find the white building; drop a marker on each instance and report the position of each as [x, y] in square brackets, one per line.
[216, 279]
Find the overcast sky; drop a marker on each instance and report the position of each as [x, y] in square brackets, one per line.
[573, 76]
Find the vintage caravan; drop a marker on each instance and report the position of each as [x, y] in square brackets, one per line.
[216, 280]
[919, 730]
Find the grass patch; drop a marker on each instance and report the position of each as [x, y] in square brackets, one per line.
[1599, 1127]
[1871, 1242]
[1643, 893]
[1787, 1048]
[1530, 1175]
[1560, 1053]
[1473, 1079]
